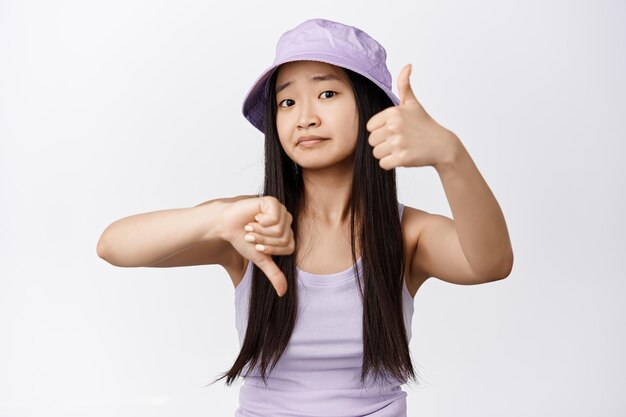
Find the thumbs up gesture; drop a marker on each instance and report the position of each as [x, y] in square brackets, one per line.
[259, 228]
[405, 135]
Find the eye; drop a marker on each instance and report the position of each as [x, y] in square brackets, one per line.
[279, 104]
[287, 99]
[323, 93]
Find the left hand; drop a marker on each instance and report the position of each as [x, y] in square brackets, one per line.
[405, 135]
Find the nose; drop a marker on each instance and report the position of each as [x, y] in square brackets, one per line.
[308, 116]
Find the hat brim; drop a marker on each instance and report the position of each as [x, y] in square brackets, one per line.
[253, 107]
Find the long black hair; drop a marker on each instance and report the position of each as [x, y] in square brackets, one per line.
[374, 220]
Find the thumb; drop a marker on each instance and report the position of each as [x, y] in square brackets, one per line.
[406, 91]
[404, 85]
[273, 273]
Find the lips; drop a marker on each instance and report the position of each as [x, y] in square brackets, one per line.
[309, 138]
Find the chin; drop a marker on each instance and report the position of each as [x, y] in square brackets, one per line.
[322, 164]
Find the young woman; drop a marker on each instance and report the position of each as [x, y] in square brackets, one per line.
[325, 261]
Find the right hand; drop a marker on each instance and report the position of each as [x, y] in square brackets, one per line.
[271, 224]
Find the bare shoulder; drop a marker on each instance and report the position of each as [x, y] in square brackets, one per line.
[413, 222]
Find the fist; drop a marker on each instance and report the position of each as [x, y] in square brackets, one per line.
[259, 228]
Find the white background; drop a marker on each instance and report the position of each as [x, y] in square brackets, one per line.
[114, 108]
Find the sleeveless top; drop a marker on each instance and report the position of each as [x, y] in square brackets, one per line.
[318, 373]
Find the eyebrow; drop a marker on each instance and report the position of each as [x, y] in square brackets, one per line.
[324, 77]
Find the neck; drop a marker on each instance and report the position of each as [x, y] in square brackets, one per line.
[327, 194]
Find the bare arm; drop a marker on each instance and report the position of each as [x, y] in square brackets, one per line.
[148, 238]
[475, 247]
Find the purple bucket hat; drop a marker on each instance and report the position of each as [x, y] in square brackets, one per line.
[324, 41]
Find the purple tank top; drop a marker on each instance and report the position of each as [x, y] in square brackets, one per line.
[318, 374]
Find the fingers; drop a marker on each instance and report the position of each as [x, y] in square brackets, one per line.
[271, 234]
[273, 216]
[283, 244]
[269, 211]
[277, 248]
[275, 230]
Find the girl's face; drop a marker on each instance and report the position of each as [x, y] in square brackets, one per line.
[315, 98]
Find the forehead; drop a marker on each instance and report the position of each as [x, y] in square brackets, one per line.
[292, 71]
